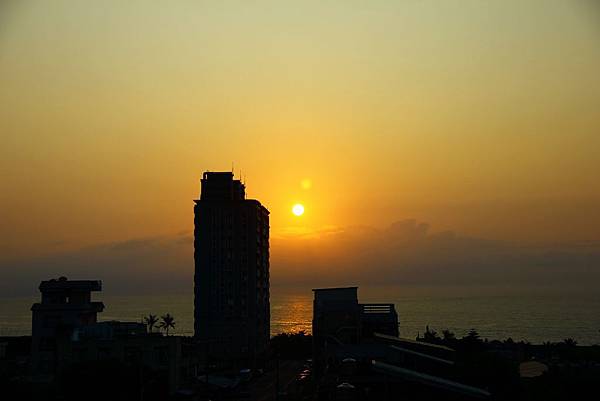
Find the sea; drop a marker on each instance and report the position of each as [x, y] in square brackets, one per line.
[533, 316]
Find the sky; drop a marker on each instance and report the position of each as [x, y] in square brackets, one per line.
[475, 120]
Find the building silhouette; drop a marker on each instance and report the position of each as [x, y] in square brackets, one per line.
[231, 283]
[357, 354]
[337, 315]
[66, 305]
[66, 335]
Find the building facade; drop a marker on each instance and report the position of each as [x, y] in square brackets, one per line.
[231, 282]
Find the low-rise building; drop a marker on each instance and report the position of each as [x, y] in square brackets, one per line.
[338, 317]
[66, 305]
[169, 357]
[66, 332]
[358, 354]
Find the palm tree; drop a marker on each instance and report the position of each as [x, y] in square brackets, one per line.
[548, 346]
[168, 322]
[150, 321]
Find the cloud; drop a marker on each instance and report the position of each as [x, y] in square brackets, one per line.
[144, 265]
[405, 253]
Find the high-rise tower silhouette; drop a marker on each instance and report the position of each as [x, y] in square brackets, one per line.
[231, 282]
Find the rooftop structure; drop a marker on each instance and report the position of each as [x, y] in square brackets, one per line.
[220, 186]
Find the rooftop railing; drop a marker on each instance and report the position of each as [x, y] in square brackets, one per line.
[379, 309]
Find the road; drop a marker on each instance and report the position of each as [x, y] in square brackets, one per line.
[263, 388]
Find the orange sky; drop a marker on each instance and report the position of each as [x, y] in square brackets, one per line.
[477, 117]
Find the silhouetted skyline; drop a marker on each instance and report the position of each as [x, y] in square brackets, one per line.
[440, 155]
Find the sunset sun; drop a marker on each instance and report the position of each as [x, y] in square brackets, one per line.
[298, 209]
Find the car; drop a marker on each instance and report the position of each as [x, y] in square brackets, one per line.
[302, 378]
[245, 375]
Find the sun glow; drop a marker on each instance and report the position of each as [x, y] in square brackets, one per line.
[298, 209]
[306, 183]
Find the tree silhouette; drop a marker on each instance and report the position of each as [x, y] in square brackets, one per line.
[431, 336]
[292, 345]
[472, 336]
[548, 348]
[472, 342]
[168, 322]
[448, 335]
[150, 321]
